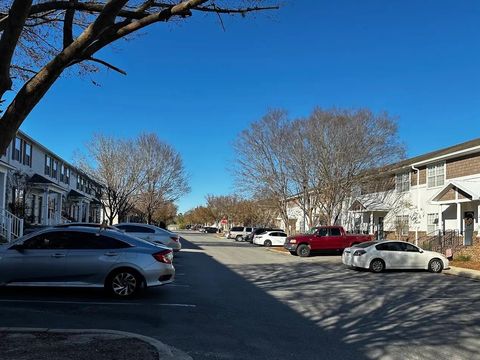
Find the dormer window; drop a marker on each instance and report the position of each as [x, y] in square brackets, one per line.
[436, 174]
[402, 182]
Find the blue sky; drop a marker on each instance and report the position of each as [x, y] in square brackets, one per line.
[197, 86]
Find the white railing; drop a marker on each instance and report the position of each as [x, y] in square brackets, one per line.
[11, 226]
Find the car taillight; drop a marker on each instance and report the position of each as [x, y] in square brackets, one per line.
[165, 256]
[359, 252]
[175, 238]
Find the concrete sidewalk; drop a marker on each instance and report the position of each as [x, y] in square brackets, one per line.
[467, 273]
[94, 344]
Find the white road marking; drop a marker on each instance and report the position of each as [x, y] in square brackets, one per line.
[90, 303]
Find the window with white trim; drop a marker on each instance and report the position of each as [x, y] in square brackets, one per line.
[17, 149]
[402, 182]
[436, 174]
[48, 165]
[27, 154]
[432, 223]
[401, 224]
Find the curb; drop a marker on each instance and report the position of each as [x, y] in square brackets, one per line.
[278, 251]
[465, 273]
[164, 351]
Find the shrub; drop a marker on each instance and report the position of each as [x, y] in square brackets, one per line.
[463, 258]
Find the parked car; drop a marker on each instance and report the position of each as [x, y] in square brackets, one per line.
[152, 233]
[239, 232]
[378, 256]
[324, 238]
[258, 231]
[86, 257]
[210, 230]
[270, 238]
[90, 225]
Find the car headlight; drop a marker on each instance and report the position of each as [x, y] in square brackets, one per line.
[292, 241]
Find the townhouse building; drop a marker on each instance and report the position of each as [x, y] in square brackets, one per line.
[38, 187]
[424, 196]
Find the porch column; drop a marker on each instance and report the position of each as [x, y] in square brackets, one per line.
[87, 212]
[59, 210]
[372, 225]
[3, 183]
[478, 220]
[79, 211]
[440, 219]
[459, 218]
[45, 203]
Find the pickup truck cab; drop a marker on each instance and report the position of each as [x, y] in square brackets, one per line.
[323, 238]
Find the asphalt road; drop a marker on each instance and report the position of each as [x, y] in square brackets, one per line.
[237, 301]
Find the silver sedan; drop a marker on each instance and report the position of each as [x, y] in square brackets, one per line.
[86, 257]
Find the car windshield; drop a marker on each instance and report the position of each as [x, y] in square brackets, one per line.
[365, 244]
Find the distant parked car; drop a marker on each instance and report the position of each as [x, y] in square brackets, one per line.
[379, 256]
[258, 231]
[152, 233]
[239, 233]
[270, 238]
[210, 230]
[85, 257]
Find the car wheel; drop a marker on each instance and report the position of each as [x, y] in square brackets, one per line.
[238, 238]
[377, 265]
[124, 283]
[303, 250]
[267, 243]
[435, 266]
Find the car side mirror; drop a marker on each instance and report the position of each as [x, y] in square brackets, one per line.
[420, 251]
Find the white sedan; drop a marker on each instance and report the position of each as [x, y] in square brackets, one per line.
[378, 256]
[270, 238]
[153, 234]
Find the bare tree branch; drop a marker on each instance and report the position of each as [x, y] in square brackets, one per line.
[110, 66]
[68, 24]
[12, 29]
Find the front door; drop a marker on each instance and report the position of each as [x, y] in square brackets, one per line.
[380, 229]
[469, 225]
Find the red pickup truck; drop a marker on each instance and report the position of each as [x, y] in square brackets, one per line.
[326, 238]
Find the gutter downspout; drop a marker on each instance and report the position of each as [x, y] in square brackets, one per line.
[418, 200]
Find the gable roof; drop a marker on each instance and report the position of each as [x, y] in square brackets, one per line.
[471, 189]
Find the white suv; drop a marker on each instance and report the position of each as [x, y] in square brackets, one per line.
[239, 232]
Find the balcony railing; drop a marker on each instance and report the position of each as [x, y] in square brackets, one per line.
[11, 226]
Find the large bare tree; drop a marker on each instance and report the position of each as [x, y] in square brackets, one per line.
[165, 179]
[39, 40]
[316, 162]
[342, 148]
[261, 169]
[119, 167]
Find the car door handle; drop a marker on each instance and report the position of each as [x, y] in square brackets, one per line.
[111, 254]
[58, 255]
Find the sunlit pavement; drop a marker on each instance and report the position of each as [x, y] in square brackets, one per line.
[237, 301]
